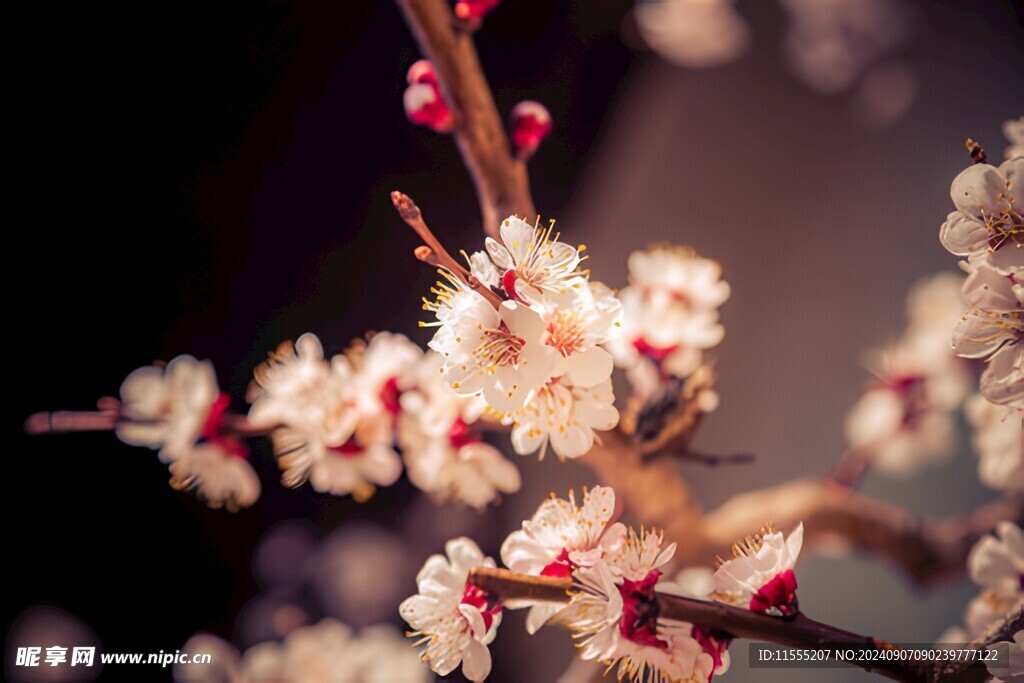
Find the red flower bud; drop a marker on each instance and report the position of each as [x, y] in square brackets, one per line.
[422, 99]
[472, 12]
[531, 123]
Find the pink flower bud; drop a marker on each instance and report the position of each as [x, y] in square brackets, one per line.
[473, 11]
[530, 123]
[422, 99]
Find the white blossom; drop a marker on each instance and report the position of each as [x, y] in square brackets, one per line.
[453, 620]
[760, 576]
[565, 416]
[560, 537]
[614, 617]
[165, 408]
[997, 562]
[1013, 670]
[998, 441]
[670, 310]
[443, 454]
[179, 410]
[532, 261]
[334, 421]
[988, 221]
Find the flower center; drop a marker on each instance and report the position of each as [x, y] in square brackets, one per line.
[655, 353]
[565, 332]
[461, 435]
[1005, 225]
[777, 597]
[561, 567]
[389, 394]
[640, 610]
[499, 347]
[213, 428]
[508, 281]
[349, 449]
[478, 598]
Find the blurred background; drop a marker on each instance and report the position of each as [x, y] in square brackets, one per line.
[213, 179]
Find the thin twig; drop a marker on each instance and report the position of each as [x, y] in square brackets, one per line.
[434, 252]
[501, 181]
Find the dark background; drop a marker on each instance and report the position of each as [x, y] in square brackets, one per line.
[212, 178]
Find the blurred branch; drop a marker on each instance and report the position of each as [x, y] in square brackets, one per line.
[1001, 631]
[501, 181]
[928, 550]
[72, 421]
[739, 623]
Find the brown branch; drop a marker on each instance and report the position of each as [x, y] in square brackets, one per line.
[739, 623]
[928, 550]
[1001, 631]
[501, 181]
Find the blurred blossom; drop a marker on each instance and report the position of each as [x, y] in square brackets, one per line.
[996, 562]
[443, 454]
[998, 441]
[43, 626]
[361, 573]
[904, 419]
[334, 421]
[693, 33]
[530, 123]
[831, 42]
[885, 94]
[283, 556]
[692, 582]
[326, 651]
[422, 100]
[1014, 132]
[268, 616]
[178, 410]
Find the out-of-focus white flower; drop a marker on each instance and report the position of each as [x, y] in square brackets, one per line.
[670, 310]
[760, 576]
[997, 562]
[615, 617]
[179, 410]
[443, 455]
[218, 476]
[560, 537]
[565, 416]
[1013, 129]
[165, 408]
[904, 420]
[1014, 673]
[999, 443]
[334, 421]
[830, 42]
[532, 262]
[988, 220]
[326, 651]
[693, 33]
[454, 620]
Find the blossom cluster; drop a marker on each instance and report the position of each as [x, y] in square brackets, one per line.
[535, 354]
[178, 410]
[670, 318]
[336, 423]
[987, 229]
[613, 608]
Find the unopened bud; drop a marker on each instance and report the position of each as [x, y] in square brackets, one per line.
[472, 12]
[422, 99]
[531, 123]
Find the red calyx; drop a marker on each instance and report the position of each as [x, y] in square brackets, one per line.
[561, 567]
[461, 435]
[778, 594]
[655, 353]
[479, 598]
[213, 428]
[640, 610]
